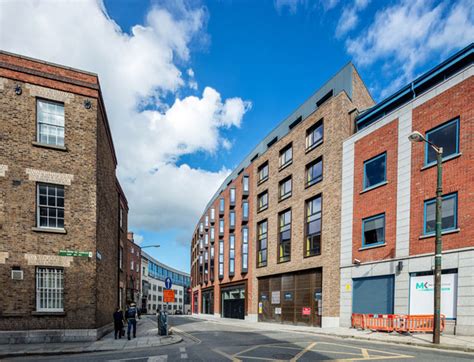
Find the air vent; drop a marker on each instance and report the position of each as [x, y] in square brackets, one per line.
[272, 142]
[324, 98]
[295, 122]
[17, 274]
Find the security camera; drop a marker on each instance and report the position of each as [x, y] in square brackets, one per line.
[356, 261]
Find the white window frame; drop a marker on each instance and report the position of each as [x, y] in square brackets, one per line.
[53, 293]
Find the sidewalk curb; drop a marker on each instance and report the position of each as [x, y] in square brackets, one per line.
[173, 340]
[361, 338]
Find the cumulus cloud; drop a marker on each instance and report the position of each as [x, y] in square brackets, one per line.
[138, 71]
[405, 35]
[350, 17]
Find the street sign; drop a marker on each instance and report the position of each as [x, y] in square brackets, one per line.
[168, 296]
[86, 254]
[168, 283]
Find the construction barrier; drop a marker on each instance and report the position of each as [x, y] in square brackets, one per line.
[395, 322]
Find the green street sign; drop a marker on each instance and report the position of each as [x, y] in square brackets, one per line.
[84, 254]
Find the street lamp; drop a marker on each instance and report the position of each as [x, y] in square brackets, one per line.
[149, 246]
[418, 137]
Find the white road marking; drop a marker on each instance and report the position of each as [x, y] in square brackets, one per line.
[184, 356]
[182, 349]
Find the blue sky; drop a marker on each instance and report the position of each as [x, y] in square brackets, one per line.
[192, 86]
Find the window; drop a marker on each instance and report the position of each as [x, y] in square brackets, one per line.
[213, 214]
[221, 205]
[133, 250]
[50, 206]
[263, 172]
[206, 239]
[212, 231]
[245, 249]
[375, 171]
[286, 156]
[160, 289]
[131, 265]
[231, 254]
[206, 221]
[262, 243]
[313, 226]
[49, 290]
[284, 236]
[449, 212]
[50, 119]
[201, 227]
[285, 188]
[137, 268]
[373, 230]
[314, 135]
[446, 136]
[121, 257]
[232, 220]
[221, 227]
[263, 201]
[232, 196]
[245, 184]
[245, 210]
[221, 259]
[121, 217]
[314, 172]
[160, 298]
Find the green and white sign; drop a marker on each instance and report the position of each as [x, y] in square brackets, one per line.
[83, 254]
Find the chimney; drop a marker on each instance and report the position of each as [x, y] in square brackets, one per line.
[130, 236]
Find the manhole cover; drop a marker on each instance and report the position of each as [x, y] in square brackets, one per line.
[282, 356]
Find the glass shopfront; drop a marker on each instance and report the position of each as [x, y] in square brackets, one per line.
[233, 302]
[207, 301]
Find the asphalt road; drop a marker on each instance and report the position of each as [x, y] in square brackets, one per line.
[211, 341]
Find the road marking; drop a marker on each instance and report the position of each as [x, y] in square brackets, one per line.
[160, 358]
[308, 348]
[364, 352]
[228, 356]
[182, 349]
[184, 356]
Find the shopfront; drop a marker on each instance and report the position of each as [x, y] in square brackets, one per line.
[374, 295]
[195, 302]
[233, 302]
[207, 301]
[292, 298]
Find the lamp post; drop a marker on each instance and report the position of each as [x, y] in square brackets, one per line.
[418, 137]
[149, 246]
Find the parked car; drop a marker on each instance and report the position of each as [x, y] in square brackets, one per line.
[179, 311]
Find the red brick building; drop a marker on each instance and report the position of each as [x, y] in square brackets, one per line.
[59, 204]
[132, 267]
[389, 185]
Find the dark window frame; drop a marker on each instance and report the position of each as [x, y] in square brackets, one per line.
[282, 152]
[371, 218]
[426, 203]
[369, 161]
[306, 253]
[310, 131]
[456, 120]
[280, 258]
[309, 166]
[259, 240]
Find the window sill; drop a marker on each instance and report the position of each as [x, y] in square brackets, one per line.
[283, 198]
[56, 314]
[261, 266]
[282, 167]
[262, 209]
[447, 232]
[283, 261]
[372, 246]
[307, 186]
[445, 159]
[262, 181]
[312, 255]
[312, 147]
[49, 230]
[53, 147]
[373, 187]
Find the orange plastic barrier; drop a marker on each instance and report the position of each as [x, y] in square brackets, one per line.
[395, 322]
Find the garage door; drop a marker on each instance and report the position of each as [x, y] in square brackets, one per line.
[373, 295]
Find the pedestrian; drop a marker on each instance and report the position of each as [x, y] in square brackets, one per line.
[118, 322]
[132, 315]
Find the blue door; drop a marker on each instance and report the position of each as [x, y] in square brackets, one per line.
[373, 295]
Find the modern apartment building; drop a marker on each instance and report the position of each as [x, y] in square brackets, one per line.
[59, 204]
[154, 274]
[388, 205]
[132, 270]
[290, 246]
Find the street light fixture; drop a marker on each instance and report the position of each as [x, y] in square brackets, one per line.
[418, 137]
[150, 246]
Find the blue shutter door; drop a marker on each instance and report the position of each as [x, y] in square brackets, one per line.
[373, 295]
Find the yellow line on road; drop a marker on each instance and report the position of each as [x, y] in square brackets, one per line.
[294, 359]
[232, 358]
[365, 353]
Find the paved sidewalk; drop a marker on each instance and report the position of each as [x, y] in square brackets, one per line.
[147, 336]
[449, 342]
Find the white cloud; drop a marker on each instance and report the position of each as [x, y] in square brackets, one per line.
[291, 5]
[138, 69]
[405, 35]
[350, 17]
[138, 239]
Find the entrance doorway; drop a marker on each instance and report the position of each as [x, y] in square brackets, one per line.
[207, 302]
[233, 302]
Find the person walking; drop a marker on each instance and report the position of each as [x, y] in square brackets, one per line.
[132, 315]
[118, 322]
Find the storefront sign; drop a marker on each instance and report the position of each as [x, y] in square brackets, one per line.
[306, 311]
[421, 294]
[85, 254]
[168, 295]
[277, 310]
[276, 297]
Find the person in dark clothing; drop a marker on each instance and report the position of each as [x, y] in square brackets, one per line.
[132, 315]
[118, 322]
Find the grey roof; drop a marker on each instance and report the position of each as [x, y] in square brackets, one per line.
[341, 81]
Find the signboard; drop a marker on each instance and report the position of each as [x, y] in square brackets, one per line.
[86, 254]
[288, 296]
[276, 297]
[306, 311]
[168, 296]
[264, 297]
[277, 310]
[422, 294]
[260, 308]
[318, 295]
[168, 283]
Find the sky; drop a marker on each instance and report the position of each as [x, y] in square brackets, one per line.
[192, 86]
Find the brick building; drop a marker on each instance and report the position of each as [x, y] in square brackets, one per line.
[388, 206]
[133, 258]
[59, 204]
[123, 249]
[293, 183]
